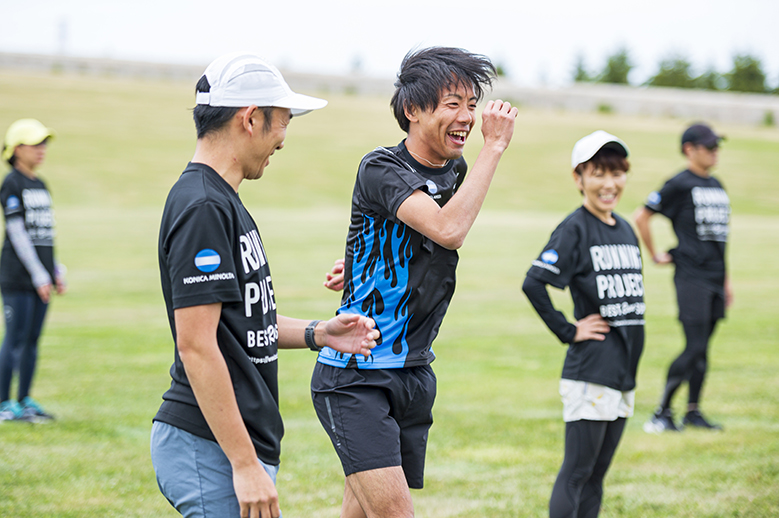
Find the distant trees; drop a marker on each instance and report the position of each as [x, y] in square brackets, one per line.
[673, 72]
[616, 69]
[711, 80]
[580, 74]
[746, 74]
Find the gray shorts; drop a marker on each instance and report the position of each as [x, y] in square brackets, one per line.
[377, 418]
[194, 474]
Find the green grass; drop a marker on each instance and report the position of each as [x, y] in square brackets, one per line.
[496, 444]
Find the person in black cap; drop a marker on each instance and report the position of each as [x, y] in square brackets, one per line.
[595, 253]
[699, 210]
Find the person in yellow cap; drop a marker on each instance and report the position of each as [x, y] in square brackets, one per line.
[28, 274]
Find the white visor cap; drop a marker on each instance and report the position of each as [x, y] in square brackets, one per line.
[587, 146]
[242, 79]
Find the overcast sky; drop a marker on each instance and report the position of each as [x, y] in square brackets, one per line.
[536, 42]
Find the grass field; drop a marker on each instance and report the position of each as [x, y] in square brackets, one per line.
[496, 444]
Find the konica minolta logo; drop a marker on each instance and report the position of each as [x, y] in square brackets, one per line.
[207, 260]
[432, 188]
[550, 257]
[653, 198]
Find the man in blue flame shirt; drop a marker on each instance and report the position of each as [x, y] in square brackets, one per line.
[411, 210]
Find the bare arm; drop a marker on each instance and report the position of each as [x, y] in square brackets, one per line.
[346, 333]
[728, 291]
[448, 225]
[210, 380]
[641, 218]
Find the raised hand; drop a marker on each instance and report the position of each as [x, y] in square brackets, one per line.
[498, 123]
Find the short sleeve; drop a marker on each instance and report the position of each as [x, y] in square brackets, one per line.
[664, 200]
[559, 260]
[384, 184]
[200, 261]
[11, 199]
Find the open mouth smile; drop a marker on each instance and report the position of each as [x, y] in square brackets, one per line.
[458, 137]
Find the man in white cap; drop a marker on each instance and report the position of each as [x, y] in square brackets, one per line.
[215, 439]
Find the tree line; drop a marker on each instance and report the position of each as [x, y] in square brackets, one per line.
[746, 74]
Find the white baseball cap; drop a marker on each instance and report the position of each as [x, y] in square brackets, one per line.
[242, 79]
[587, 146]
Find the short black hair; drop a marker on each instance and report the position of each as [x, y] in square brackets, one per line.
[425, 74]
[210, 119]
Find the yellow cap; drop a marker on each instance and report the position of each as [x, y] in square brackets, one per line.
[29, 132]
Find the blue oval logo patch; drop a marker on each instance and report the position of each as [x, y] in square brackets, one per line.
[13, 203]
[207, 260]
[549, 257]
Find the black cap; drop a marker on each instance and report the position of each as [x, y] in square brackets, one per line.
[700, 134]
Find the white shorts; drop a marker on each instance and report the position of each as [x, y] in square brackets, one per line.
[588, 401]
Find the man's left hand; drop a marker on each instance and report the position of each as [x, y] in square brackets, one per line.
[351, 334]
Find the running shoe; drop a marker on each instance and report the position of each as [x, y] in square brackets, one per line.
[661, 421]
[32, 411]
[695, 419]
[10, 410]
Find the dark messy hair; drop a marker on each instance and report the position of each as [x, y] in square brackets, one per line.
[211, 119]
[425, 74]
[606, 159]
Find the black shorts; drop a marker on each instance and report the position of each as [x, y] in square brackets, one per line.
[377, 418]
[698, 304]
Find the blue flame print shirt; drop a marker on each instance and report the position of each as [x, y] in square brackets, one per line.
[394, 274]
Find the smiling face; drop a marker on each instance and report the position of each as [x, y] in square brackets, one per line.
[439, 135]
[266, 139]
[602, 190]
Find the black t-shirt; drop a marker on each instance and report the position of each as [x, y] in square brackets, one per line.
[699, 210]
[29, 199]
[601, 264]
[210, 251]
[394, 274]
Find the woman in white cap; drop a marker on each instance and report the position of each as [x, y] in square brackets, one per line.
[595, 253]
[28, 275]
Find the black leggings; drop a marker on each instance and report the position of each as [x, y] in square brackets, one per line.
[24, 316]
[589, 448]
[691, 365]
